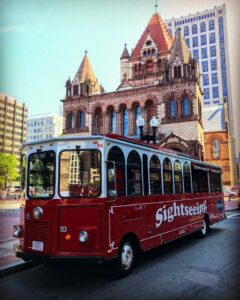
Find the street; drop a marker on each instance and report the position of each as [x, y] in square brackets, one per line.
[189, 268]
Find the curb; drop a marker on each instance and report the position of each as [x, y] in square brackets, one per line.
[15, 267]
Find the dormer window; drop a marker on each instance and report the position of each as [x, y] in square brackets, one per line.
[148, 43]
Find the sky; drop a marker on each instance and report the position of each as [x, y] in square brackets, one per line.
[42, 43]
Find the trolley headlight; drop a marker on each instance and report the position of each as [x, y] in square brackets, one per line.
[83, 236]
[37, 212]
[16, 231]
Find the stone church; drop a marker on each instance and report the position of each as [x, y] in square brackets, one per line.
[159, 78]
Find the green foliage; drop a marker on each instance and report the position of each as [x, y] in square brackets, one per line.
[8, 169]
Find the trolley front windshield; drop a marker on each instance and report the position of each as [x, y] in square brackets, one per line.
[41, 175]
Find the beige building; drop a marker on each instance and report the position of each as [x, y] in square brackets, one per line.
[13, 125]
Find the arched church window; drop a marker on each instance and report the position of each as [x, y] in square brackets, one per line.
[215, 149]
[185, 107]
[125, 121]
[203, 27]
[149, 66]
[71, 120]
[177, 72]
[75, 90]
[172, 109]
[137, 114]
[81, 119]
[98, 121]
[112, 120]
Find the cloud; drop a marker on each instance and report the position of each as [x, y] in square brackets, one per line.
[10, 29]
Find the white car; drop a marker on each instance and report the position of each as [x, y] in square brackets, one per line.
[228, 193]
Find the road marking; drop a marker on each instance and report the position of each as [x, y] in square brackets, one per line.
[233, 215]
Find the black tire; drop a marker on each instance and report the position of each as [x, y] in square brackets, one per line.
[204, 231]
[123, 264]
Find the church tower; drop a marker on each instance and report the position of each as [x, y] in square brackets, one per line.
[85, 82]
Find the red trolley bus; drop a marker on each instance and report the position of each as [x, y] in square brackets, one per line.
[102, 198]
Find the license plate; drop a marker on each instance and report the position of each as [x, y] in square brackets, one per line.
[38, 246]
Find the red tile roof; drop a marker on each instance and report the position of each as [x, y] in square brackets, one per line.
[158, 31]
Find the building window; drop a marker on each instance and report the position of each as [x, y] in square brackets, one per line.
[213, 64]
[71, 121]
[213, 52]
[194, 29]
[75, 90]
[215, 92]
[203, 27]
[111, 118]
[195, 41]
[177, 72]
[212, 39]
[214, 78]
[172, 109]
[185, 107]
[125, 121]
[195, 54]
[81, 120]
[98, 121]
[204, 53]
[186, 31]
[215, 149]
[149, 67]
[203, 40]
[205, 79]
[206, 94]
[187, 42]
[137, 114]
[211, 25]
[205, 66]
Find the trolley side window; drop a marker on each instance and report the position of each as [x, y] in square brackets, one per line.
[167, 176]
[178, 177]
[41, 175]
[200, 179]
[155, 176]
[134, 176]
[187, 178]
[215, 181]
[80, 173]
[115, 154]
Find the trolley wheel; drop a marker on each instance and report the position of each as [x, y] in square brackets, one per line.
[124, 263]
[203, 232]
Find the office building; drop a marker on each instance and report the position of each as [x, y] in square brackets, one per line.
[44, 126]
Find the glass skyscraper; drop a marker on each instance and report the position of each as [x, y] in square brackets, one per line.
[206, 37]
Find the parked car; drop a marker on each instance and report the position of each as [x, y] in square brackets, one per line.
[228, 193]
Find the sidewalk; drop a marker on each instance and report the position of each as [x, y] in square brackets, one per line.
[10, 214]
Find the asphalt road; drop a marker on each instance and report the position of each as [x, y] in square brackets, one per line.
[189, 268]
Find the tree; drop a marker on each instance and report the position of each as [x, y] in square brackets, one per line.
[8, 168]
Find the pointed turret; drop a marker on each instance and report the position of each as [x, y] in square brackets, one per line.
[85, 81]
[85, 71]
[158, 32]
[125, 54]
[180, 49]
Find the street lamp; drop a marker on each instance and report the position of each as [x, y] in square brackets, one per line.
[147, 137]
